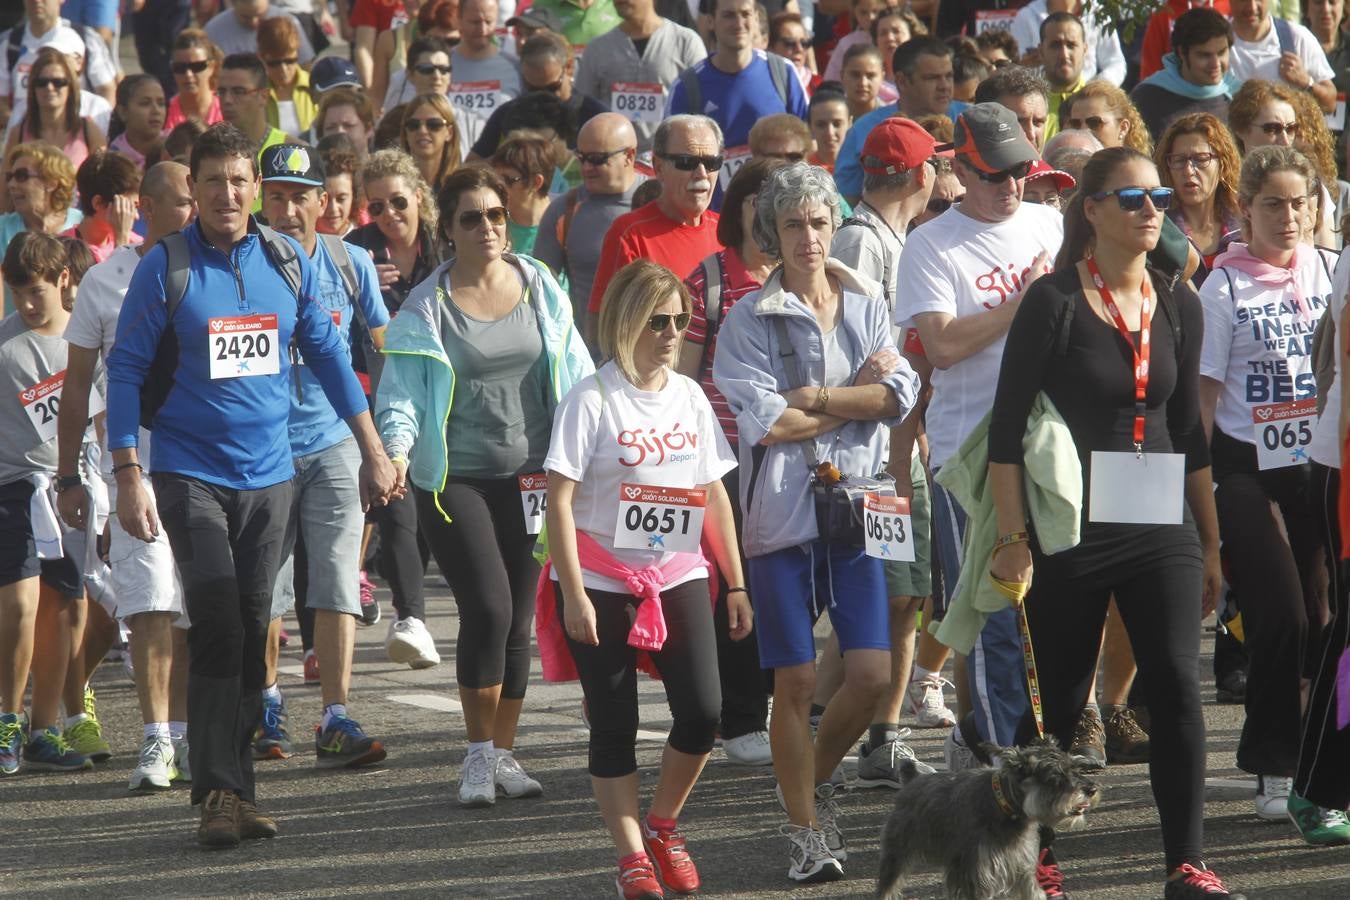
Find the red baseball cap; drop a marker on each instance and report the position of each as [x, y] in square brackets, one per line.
[901, 144]
[1063, 180]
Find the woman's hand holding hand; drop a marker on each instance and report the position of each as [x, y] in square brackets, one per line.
[1213, 582]
[579, 620]
[740, 616]
[877, 367]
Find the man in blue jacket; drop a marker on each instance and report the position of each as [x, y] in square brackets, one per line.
[221, 462]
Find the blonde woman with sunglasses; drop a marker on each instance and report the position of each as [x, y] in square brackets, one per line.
[479, 357]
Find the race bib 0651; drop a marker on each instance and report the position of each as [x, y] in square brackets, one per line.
[659, 518]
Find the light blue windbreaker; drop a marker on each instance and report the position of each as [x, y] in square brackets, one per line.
[775, 487]
[418, 382]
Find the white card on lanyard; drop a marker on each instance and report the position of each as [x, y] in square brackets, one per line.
[1283, 432]
[1137, 488]
[533, 500]
[42, 402]
[888, 527]
[659, 518]
[638, 101]
[1336, 118]
[480, 97]
[732, 160]
[243, 346]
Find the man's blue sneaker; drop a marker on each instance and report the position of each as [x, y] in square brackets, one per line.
[48, 751]
[272, 740]
[13, 735]
[343, 745]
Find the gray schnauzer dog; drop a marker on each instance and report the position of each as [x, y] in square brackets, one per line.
[981, 825]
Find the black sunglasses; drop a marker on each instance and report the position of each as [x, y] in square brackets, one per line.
[470, 219]
[939, 205]
[431, 69]
[1018, 171]
[1131, 199]
[600, 158]
[432, 125]
[661, 321]
[687, 162]
[1091, 123]
[200, 66]
[59, 83]
[1277, 128]
[552, 88]
[376, 207]
[20, 175]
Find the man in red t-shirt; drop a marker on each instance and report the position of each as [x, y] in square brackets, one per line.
[677, 229]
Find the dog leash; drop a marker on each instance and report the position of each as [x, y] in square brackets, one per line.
[1016, 592]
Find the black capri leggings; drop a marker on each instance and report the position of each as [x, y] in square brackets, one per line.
[487, 556]
[400, 558]
[687, 663]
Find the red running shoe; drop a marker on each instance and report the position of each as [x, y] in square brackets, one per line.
[637, 881]
[1048, 875]
[667, 850]
[311, 668]
[1195, 882]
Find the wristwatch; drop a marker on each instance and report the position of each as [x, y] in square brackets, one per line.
[66, 482]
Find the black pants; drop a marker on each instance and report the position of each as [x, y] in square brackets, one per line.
[303, 614]
[1322, 774]
[1275, 581]
[745, 686]
[227, 544]
[401, 563]
[488, 558]
[1159, 601]
[687, 663]
[153, 30]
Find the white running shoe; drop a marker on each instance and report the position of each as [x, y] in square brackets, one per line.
[957, 755]
[511, 779]
[410, 643]
[811, 860]
[1272, 797]
[749, 749]
[827, 817]
[182, 769]
[155, 770]
[477, 779]
[924, 701]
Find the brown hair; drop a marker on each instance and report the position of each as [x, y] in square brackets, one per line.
[105, 173]
[1079, 236]
[1220, 142]
[277, 38]
[530, 156]
[780, 125]
[33, 256]
[50, 56]
[178, 143]
[345, 96]
[450, 155]
[460, 182]
[747, 180]
[195, 38]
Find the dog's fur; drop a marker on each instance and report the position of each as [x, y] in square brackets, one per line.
[955, 821]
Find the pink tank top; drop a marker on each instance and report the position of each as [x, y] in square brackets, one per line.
[75, 148]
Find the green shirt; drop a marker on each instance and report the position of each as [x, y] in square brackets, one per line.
[581, 26]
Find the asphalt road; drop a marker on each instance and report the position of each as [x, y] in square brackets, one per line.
[397, 830]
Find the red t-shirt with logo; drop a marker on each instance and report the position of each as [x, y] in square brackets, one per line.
[648, 233]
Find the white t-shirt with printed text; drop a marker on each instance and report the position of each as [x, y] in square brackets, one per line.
[1261, 59]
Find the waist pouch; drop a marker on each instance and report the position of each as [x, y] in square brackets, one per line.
[839, 507]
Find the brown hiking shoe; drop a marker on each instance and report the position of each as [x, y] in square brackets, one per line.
[1126, 742]
[253, 824]
[1088, 746]
[220, 821]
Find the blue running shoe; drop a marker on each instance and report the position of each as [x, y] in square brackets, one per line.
[48, 751]
[272, 740]
[13, 735]
[343, 745]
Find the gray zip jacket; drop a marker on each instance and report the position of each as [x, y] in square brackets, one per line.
[775, 481]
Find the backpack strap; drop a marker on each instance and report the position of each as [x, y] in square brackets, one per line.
[712, 303]
[778, 73]
[284, 256]
[571, 200]
[796, 378]
[885, 262]
[1285, 35]
[693, 91]
[337, 251]
[175, 271]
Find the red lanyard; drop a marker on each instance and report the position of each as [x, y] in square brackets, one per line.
[1140, 355]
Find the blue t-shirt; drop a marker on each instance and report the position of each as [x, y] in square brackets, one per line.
[848, 174]
[314, 425]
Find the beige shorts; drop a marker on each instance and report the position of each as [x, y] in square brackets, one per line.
[144, 576]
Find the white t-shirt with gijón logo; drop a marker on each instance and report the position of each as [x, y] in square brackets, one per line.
[607, 433]
[961, 266]
[1258, 341]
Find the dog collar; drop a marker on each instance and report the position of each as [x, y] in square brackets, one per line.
[1001, 797]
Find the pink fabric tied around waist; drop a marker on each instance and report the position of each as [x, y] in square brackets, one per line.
[649, 630]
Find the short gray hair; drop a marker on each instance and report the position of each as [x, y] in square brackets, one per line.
[883, 181]
[792, 187]
[661, 139]
[1081, 137]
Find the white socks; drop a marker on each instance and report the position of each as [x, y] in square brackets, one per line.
[481, 747]
[158, 730]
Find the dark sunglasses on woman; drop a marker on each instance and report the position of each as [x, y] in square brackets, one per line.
[432, 125]
[376, 207]
[199, 66]
[1131, 199]
[661, 321]
[470, 219]
[59, 83]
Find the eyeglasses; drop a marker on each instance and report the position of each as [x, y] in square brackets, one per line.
[235, 92]
[288, 61]
[787, 157]
[471, 219]
[599, 158]
[376, 207]
[182, 68]
[432, 125]
[1131, 199]
[19, 175]
[793, 45]
[431, 69]
[1275, 129]
[59, 83]
[1091, 123]
[1018, 172]
[939, 205]
[661, 321]
[687, 162]
[1180, 161]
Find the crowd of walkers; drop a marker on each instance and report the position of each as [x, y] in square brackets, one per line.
[664, 328]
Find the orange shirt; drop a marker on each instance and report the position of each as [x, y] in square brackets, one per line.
[648, 233]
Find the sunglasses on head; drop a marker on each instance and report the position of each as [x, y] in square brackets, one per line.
[287, 61]
[200, 66]
[939, 205]
[471, 219]
[431, 69]
[20, 175]
[688, 162]
[432, 125]
[59, 83]
[1131, 199]
[1274, 129]
[376, 207]
[599, 158]
[661, 321]
[1018, 172]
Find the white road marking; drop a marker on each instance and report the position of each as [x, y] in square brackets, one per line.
[438, 702]
[1246, 784]
[295, 669]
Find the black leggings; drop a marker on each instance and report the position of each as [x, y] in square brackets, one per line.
[1276, 581]
[401, 562]
[487, 556]
[687, 663]
[1159, 601]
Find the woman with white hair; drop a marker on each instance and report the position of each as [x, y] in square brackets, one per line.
[814, 379]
